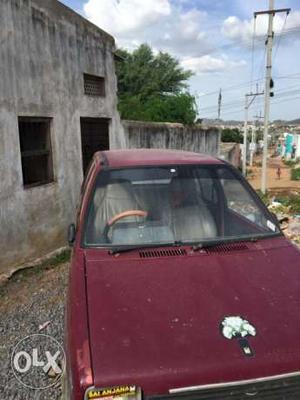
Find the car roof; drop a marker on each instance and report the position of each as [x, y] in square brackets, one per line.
[148, 157]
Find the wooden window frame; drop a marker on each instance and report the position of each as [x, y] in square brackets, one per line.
[38, 152]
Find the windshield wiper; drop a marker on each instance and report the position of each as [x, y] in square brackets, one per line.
[212, 243]
[199, 246]
[123, 249]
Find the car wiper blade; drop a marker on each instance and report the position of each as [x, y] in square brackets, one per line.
[123, 249]
[212, 243]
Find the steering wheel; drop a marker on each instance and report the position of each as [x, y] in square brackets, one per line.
[123, 214]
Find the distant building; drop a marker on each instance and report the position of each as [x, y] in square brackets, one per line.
[57, 106]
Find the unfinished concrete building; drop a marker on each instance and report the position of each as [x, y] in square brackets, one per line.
[58, 105]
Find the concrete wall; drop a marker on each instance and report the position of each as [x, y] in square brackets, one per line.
[45, 49]
[171, 136]
[231, 152]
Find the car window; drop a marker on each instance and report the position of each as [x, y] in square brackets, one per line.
[239, 199]
[207, 186]
[183, 203]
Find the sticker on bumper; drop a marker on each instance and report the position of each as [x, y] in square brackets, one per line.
[111, 393]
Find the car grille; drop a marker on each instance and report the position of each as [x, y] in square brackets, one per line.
[277, 389]
[162, 253]
[227, 248]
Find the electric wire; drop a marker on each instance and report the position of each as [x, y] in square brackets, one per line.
[246, 83]
[230, 107]
[279, 38]
[252, 52]
[284, 97]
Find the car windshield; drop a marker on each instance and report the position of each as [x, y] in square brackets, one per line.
[173, 204]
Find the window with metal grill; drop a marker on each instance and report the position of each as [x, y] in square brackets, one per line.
[94, 85]
[36, 154]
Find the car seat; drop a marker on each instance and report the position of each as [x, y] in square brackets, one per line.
[110, 201]
[190, 217]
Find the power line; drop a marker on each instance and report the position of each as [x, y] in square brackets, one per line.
[287, 99]
[281, 92]
[246, 83]
[261, 68]
[229, 88]
[240, 110]
[280, 36]
[239, 107]
[252, 51]
[248, 44]
[233, 103]
[287, 89]
[249, 99]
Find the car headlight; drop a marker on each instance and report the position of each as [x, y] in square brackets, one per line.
[124, 392]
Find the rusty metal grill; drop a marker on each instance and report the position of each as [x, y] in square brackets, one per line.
[94, 85]
[279, 389]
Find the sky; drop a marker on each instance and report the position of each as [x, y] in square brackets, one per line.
[219, 41]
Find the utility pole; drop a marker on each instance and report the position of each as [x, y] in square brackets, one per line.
[219, 103]
[271, 12]
[251, 96]
[252, 145]
[254, 137]
[244, 169]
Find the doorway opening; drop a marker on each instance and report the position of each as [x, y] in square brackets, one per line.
[94, 137]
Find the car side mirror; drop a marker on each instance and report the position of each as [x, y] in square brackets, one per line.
[71, 234]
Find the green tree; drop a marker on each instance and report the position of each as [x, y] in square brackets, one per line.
[232, 135]
[153, 87]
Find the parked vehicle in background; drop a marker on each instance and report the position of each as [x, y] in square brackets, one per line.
[181, 284]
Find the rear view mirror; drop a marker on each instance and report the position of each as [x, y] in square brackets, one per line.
[71, 234]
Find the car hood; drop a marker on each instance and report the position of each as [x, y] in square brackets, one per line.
[156, 322]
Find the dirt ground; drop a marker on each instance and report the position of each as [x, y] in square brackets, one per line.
[29, 300]
[282, 185]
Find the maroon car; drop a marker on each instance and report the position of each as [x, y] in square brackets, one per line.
[182, 285]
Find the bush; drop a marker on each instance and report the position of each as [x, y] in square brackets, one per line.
[295, 204]
[180, 107]
[295, 174]
[289, 163]
[292, 202]
[232, 135]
